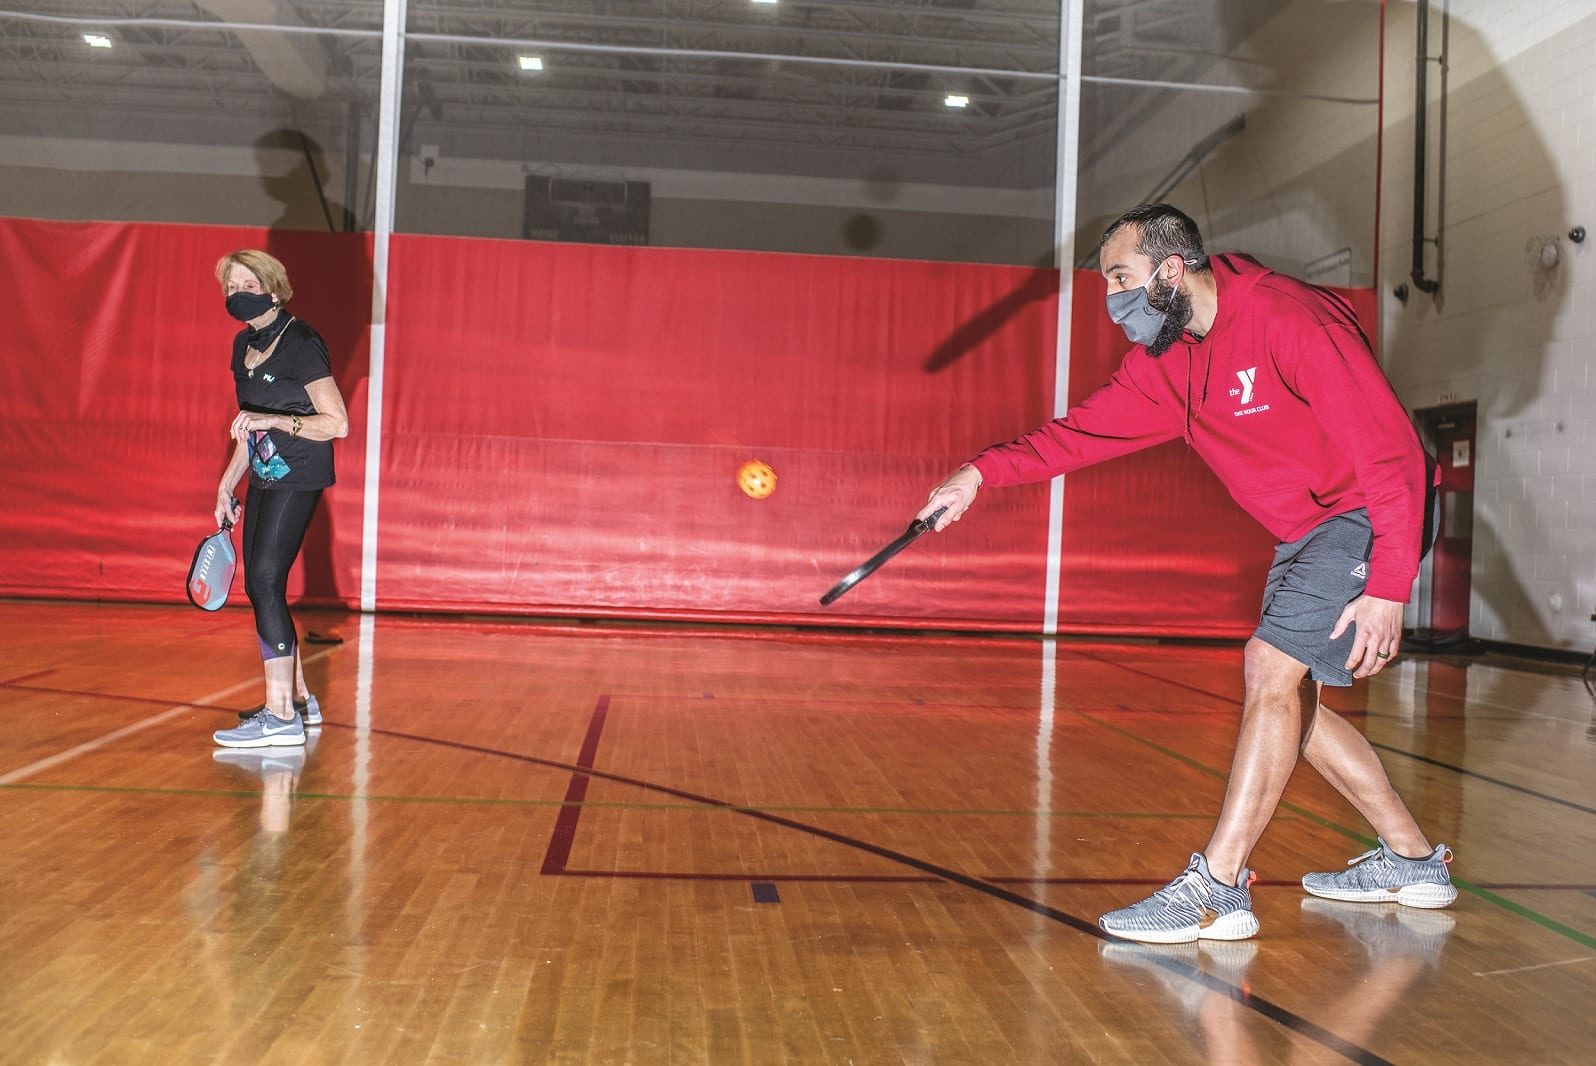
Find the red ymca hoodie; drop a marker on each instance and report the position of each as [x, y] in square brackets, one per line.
[1282, 398]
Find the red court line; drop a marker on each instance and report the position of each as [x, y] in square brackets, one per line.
[564, 835]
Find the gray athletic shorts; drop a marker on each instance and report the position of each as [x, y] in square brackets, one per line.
[1311, 582]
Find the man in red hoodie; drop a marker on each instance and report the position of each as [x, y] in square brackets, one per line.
[1272, 382]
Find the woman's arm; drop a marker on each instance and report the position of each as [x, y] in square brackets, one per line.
[226, 504]
[330, 421]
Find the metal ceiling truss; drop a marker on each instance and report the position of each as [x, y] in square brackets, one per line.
[866, 75]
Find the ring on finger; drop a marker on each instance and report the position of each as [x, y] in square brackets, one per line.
[1382, 655]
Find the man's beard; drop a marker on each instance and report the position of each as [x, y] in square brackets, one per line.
[1176, 305]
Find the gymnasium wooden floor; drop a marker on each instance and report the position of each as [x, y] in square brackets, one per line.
[584, 844]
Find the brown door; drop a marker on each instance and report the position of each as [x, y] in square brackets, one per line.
[1451, 432]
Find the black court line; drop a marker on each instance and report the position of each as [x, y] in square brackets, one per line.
[114, 697]
[559, 851]
[1243, 996]
[25, 677]
[1056, 882]
[1484, 777]
[1383, 747]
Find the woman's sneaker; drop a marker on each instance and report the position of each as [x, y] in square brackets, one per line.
[309, 711]
[1193, 906]
[263, 730]
[1383, 876]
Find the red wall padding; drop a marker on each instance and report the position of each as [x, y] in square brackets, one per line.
[115, 399]
[563, 425]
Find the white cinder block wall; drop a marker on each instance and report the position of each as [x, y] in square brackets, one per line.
[1506, 331]
[1517, 136]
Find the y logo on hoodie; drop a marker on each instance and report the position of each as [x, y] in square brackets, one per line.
[1244, 405]
[1247, 377]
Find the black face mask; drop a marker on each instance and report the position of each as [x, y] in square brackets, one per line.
[247, 305]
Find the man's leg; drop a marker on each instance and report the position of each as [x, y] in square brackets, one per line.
[1266, 752]
[1210, 900]
[1344, 757]
[1404, 868]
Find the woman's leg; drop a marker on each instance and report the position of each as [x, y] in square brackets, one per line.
[274, 528]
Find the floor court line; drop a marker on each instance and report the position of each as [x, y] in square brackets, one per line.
[1484, 777]
[26, 677]
[340, 797]
[24, 772]
[560, 851]
[1379, 680]
[564, 835]
[621, 805]
[116, 697]
[1461, 771]
[1479, 890]
[1528, 969]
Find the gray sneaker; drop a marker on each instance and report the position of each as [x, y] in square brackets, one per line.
[1382, 876]
[309, 711]
[1193, 906]
[263, 730]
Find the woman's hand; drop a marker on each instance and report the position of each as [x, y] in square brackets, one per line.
[248, 421]
[227, 508]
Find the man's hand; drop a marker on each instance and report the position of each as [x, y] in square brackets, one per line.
[956, 494]
[1379, 633]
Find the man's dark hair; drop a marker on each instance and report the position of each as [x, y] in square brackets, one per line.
[1162, 231]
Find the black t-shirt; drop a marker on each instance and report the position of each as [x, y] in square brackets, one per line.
[277, 387]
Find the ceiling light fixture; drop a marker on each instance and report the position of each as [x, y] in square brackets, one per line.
[96, 40]
[531, 62]
[770, 2]
[955, 100]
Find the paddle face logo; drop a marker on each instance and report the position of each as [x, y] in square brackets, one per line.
[199, 586]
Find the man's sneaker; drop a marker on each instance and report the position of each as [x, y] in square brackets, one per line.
[309, 711]
[1383, 876]
[264, 730]
[1193, 906]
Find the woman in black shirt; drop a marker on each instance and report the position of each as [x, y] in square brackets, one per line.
[289, 413]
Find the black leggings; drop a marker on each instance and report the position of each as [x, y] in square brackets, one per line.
[274, 527]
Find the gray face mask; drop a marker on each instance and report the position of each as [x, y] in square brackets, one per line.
[1134, 314]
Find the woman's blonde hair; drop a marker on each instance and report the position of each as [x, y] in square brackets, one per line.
[271, 273]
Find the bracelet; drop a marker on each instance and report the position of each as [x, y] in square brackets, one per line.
[298, 424]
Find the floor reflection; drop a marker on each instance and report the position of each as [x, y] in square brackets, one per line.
[1395, 946]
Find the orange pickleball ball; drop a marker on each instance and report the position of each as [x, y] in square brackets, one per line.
[756, 479]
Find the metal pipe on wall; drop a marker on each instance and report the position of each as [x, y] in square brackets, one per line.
[1421, 106]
